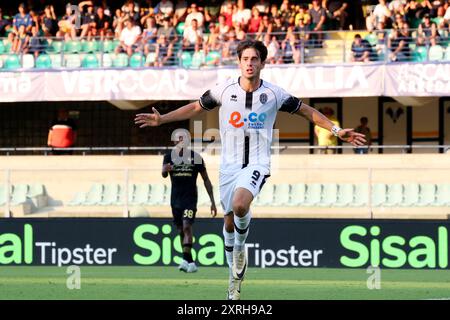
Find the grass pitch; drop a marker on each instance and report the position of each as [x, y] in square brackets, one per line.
[167, 283]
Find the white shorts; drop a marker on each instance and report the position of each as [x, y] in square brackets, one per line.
[251, 178]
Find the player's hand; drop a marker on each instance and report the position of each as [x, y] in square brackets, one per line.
[148, 119]
[213, 210]
[350, 136]
[167, 167]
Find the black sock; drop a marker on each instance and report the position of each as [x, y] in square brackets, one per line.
[187, 255]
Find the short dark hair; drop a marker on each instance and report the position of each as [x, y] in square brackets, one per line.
[358, 36]
[257, 45]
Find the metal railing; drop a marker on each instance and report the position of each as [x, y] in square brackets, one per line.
[204, 148]
[326, 47]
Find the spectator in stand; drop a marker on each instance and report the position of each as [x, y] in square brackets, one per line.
[274, 11]
[214, 42]
[5, 25]
[425, 7]
[131, 11]
[118, 22]
[195, 15]
[273, 49]
[224, 28]
[289, 52]
[212, 10]
[20, 19]
[398, 46]
[165, 8]
[37, 44]
[129, 38]
[62, 133]
[240, 33]
[265, 27]
[67, 28]
[255, 21]
[164, 52]
[412, 10]
[324, 137]
[227, 10]
[88, 26]
[428, 29]
[149, 35]
[21, 41]
[447, 18]
[381, 13]
[397, 6]
[279, 29]
[439, 20]
[168, 31]
[318, 19]
[49, 23]
[262, 6]
[242, 15]
[365, 130]
[285, 10]
[180, 11]
[337, 13]
[192, 34]
[302, 15]
[361, 49]
[229, 52]
[102, 24]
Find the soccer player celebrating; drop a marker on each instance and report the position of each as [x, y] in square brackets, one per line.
[183, 165]
[247, 110]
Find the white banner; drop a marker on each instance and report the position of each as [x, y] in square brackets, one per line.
[306, 81]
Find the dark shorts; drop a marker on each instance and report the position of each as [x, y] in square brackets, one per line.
[183, 214]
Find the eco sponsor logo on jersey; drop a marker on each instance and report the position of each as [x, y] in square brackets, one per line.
[254, 120]
[371, 246]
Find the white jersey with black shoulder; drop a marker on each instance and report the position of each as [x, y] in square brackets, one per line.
[247, 120]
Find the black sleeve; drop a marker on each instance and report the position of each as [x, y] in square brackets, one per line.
[208, 101]
[167, 158]
[291, 105]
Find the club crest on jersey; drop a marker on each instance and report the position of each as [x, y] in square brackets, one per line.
[263, 98]
[233, 98]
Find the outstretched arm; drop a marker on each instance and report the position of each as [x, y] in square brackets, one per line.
[316, 117]
[156, 119]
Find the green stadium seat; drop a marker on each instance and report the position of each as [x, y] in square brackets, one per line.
[120, 60]
[137, 60]
[442, 195]
[12, 62]
[90, 61]
[345, 194]
[107, 60]
[110, 195]
[282, 194]
[55, 47]
[27, 61]
[213, 58]
[298, 193]
[313, 194]
[180, 27]
[43, 61]
[72, 61]
[329, 195]
[158, 194]
[379, 194]
[19, 194]
[89, 46]
[420, 54]
[427, 194]
[35, 190]
[186, 59]
[131, 192]
[436, 53]
[106, 46]
[411, 195]
[372, 39]
[265, 196]
[198, 59]
[94, 196]
[78, 200]
[72, 46]
[141, 194]
[2, 47]
[394, 195]
[56, 60]
[361, 195]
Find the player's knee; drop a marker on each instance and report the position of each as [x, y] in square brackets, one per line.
[187, 229]
[239, 208]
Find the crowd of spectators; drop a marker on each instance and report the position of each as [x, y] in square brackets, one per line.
[285, 26]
